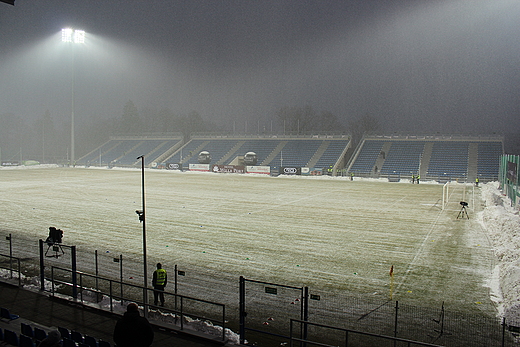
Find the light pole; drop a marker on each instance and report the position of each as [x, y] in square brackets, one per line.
[72, 36]
[142, 219]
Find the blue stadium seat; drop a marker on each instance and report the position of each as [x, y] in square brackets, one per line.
[76, 336]
[39, 334]
[26, 330]
[102, 343]
[4, 313]
[90, 341]
[68, 343]
[10, 337]
[26, 341]
[64, 332]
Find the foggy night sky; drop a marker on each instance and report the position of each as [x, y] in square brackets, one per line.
[423, 66]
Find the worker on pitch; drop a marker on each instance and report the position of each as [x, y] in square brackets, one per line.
[159, 281]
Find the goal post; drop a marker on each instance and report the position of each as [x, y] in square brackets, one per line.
[445, 194]
[447, 191]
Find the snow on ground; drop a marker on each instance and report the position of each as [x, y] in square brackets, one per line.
[498, 219]
[502, 223]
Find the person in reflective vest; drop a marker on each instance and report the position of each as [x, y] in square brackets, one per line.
[159, 281]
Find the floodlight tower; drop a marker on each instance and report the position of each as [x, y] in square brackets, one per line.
[72, 36]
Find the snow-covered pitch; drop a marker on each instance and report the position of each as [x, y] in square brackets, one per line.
[328, 233]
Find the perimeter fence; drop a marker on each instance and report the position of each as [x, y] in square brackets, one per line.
[508, 176]
[265, 314]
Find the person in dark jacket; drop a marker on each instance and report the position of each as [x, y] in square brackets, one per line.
[133, 330]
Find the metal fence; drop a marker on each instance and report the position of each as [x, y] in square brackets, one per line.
[509, 177]
[94, 289]
[269, 307]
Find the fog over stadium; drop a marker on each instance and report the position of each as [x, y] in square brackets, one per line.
[415, 66]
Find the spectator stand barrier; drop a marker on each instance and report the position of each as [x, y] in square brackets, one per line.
[13, 272]
[185, 306]
[58, 252]
[362, 337]
[11, 258]
[263, 315]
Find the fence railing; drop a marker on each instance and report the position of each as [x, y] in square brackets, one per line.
[444, 325]
[120, 292]
[11, 268]
[347, 334]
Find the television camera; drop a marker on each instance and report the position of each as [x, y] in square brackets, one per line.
[54, 241]
[463, 210]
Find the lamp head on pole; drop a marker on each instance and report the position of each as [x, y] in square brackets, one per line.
[72, 35]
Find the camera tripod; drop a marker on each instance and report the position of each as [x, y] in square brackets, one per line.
[57, 250]
[463, 212]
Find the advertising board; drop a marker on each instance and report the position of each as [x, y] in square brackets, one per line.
[228, 169]
[199, 167]
[266, 170]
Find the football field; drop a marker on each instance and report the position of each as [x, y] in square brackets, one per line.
[330, 234]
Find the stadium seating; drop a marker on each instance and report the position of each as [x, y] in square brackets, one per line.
[26, 330]
[332, 153]
[39, 334]
[404, 158]
[65, 333]
[11, 338]
[366, 159]
[433, 157]
[90, 341]
[5, 314]
[449, 159]
[26, 341]
[488, 159]
[76, 336]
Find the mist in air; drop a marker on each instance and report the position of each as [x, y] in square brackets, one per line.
[415, 66]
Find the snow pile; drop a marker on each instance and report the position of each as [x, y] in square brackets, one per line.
[502, 223]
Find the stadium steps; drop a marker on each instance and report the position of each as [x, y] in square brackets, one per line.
[382, 157]
[319, 152]
[169, 153]
[274, 153]
[472, 160]
[195, 152]
[425, 161]
[129, 150]
[230, 153]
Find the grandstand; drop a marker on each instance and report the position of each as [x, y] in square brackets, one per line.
[440, 158]
[275, 151]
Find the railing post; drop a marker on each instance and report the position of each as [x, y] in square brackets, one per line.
[10, 239]
[395, 321]
[42, 267]
[305, 311]
[19, 272]
[74, 276]
[242, 309]
[52, 279]
[503, 331]
[223, 323]
[175, 286]
[121, 276]
[97, 274]
[81, 287]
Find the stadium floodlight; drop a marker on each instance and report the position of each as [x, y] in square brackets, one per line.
[73, 36]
